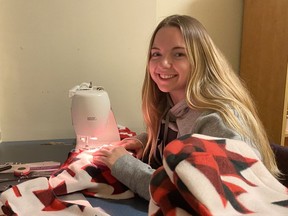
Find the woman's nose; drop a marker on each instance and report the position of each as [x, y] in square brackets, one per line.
[166, 61]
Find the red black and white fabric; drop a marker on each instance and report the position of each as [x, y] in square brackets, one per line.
[79, 173]
[125, 132]
[204, 175]
[42, 196]
[36, 198]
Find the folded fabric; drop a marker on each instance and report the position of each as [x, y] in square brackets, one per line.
[125, 132]
[77, 174]
[36, 198]
[204, 175]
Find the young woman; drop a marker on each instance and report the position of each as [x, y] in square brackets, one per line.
[188, 88]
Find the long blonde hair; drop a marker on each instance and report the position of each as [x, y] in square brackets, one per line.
[212, 85]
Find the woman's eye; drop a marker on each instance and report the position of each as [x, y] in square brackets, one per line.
[155, 54]
[180, 54]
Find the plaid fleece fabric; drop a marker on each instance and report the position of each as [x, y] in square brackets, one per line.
[42, 196]
[36, 198]
[78, 173]
[204, 175]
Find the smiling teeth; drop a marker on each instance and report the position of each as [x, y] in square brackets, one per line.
[166, 76]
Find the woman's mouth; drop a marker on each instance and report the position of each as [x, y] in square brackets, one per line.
[166, 76]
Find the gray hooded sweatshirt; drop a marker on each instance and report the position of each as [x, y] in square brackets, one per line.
[136, 174]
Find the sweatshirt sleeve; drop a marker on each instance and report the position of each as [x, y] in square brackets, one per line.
[134, 174]
[143, 138]
[212, 125]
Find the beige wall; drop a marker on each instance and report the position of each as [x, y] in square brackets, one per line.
[48, 46]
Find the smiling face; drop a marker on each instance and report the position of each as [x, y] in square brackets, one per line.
[169, 66]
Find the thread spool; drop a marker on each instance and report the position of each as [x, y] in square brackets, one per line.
[22, 171]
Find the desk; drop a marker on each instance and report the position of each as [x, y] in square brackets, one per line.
[57, 150]
[134, 207]
[35, 151]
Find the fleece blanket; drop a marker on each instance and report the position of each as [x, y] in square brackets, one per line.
[200, 176]
[212, 176]
[42, 196]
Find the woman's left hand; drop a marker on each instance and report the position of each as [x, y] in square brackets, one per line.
[108, 155]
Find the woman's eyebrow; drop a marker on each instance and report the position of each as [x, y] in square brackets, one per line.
[177, 47]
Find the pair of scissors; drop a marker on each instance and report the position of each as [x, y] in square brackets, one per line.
[4, 167]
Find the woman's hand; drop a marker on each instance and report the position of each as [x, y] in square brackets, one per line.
[108, 155]
[134, 146]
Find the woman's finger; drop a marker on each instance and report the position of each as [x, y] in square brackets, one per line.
[100, 160]
[99, 153]
[104, 151]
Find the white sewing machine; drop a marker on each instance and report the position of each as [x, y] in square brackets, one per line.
[92, 118]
